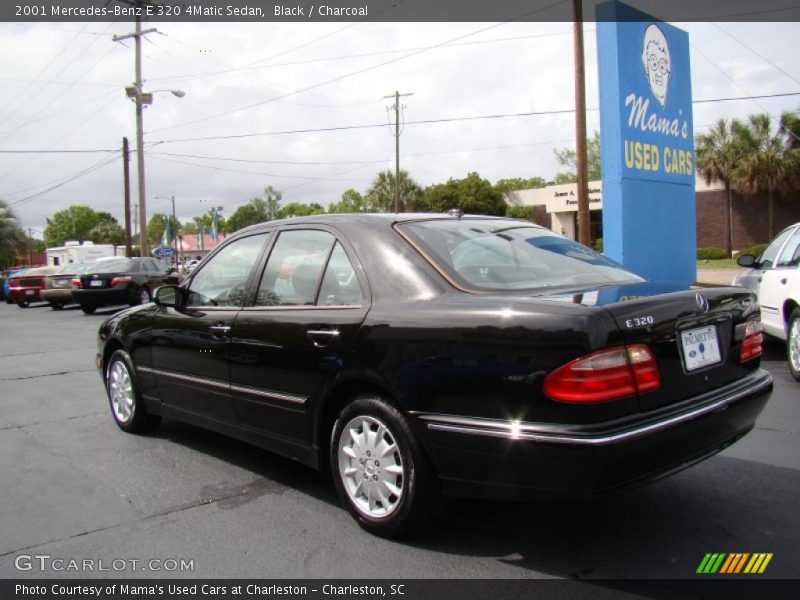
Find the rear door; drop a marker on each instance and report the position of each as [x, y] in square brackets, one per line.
[190, 345]
[298, 334]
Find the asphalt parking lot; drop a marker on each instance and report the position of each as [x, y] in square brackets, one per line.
[75, 487]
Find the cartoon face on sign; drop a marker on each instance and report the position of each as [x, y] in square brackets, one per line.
[657, 64]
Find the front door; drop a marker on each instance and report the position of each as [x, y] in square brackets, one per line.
[777, 281]
[190, 344]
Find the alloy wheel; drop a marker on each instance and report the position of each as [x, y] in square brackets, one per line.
[120, 391]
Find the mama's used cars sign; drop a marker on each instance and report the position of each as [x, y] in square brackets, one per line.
[647, 143]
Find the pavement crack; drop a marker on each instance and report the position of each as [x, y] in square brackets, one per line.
[39, 352]
[775, 429]
[57, 373]
[163, 513]
[35, 423]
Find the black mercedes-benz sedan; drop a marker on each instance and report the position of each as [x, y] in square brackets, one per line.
[120, 280]
[424, 355]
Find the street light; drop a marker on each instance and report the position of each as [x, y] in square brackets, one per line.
[142, 98]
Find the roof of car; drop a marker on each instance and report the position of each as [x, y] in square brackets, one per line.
[365, 218]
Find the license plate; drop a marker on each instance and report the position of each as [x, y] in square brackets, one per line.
[700, 347]
[29, 292]
[96, 283]
[61, 282]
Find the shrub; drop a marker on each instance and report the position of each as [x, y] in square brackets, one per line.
[520, 212]
[598, 245]
[711, 253]
[754, 250]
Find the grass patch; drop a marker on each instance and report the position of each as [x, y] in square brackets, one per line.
[722, 263]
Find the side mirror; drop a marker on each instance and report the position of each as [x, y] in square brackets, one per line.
[746, 260]
[169, 296]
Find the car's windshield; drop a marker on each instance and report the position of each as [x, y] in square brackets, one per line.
[114, 265]
[500, 255]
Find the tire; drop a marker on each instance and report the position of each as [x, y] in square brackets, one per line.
[56, 305]
[89, 310]
[23, 303]
[793, 344]
[142, 297]
[407, 487]
[124, 399]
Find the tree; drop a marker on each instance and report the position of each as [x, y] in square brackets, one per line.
[255, 211]
[297, 209]
[718, 153]
[564, 177]
[518, 183]
[472, 195]
[380, 196]
[12, 238]
[107, 231]
[567, 157]
[205, 221]
[73, 223]
[520, 212]
[766, 162]
[351, 202]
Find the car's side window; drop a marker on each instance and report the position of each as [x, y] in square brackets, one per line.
[294, 268]
[222, 280]
[790, 256]
[339, 285]
[767, 258]
[136, 266]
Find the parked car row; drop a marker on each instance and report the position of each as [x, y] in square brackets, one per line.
[775, 276]
[105, 282]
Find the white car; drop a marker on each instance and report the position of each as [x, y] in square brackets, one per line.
[775, 275]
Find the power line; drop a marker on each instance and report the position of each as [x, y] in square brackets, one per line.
[271, 162]
[57, 151]
[353, 73]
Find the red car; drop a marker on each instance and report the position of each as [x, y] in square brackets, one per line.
[25, 288]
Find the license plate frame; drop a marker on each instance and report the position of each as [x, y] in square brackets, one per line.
[700, 348]
[96, 283]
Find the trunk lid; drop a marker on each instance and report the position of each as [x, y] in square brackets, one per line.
[694, 333]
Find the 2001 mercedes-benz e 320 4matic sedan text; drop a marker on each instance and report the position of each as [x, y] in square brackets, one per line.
[420, 355]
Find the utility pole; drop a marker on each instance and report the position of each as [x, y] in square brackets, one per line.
[126, 175]
[175, 232]
[397, 95]
[30, 246]
[141, 99]
[584, 235]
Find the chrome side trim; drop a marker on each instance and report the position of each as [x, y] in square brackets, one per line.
[270, 394]
[537, 432]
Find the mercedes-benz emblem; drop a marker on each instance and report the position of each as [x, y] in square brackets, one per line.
[701, 302]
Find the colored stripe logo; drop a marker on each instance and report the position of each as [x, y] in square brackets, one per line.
[734, 563]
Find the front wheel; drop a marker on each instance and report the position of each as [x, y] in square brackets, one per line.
[89, 310]
[380, 469]
[126, 403]
[56, 305]
[793, 344]
[143, 297]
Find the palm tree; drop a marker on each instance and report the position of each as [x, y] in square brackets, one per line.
[380, 196]
[718, 154]
[766, 162]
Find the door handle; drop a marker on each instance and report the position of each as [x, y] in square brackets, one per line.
[220, 329]
[322, 337]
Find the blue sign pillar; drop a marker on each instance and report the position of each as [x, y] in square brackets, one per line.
[647, 144]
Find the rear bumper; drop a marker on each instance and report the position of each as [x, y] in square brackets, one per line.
[57, 295]
[513, 460]
[21, 294]
[104, 297]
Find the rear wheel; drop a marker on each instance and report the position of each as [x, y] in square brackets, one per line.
[56, 305]
[380, 469]
[89, 310]
[23, 303]
[142, 297]
[793, 344]
[126, 403]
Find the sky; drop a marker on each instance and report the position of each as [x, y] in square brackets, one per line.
[62, 88]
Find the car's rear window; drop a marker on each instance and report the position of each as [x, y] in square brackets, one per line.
[113, 265]
[505, 255]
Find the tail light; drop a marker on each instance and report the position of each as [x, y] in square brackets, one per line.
[753, 339]
[77, 282]
[122, 279]
[606, 374]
